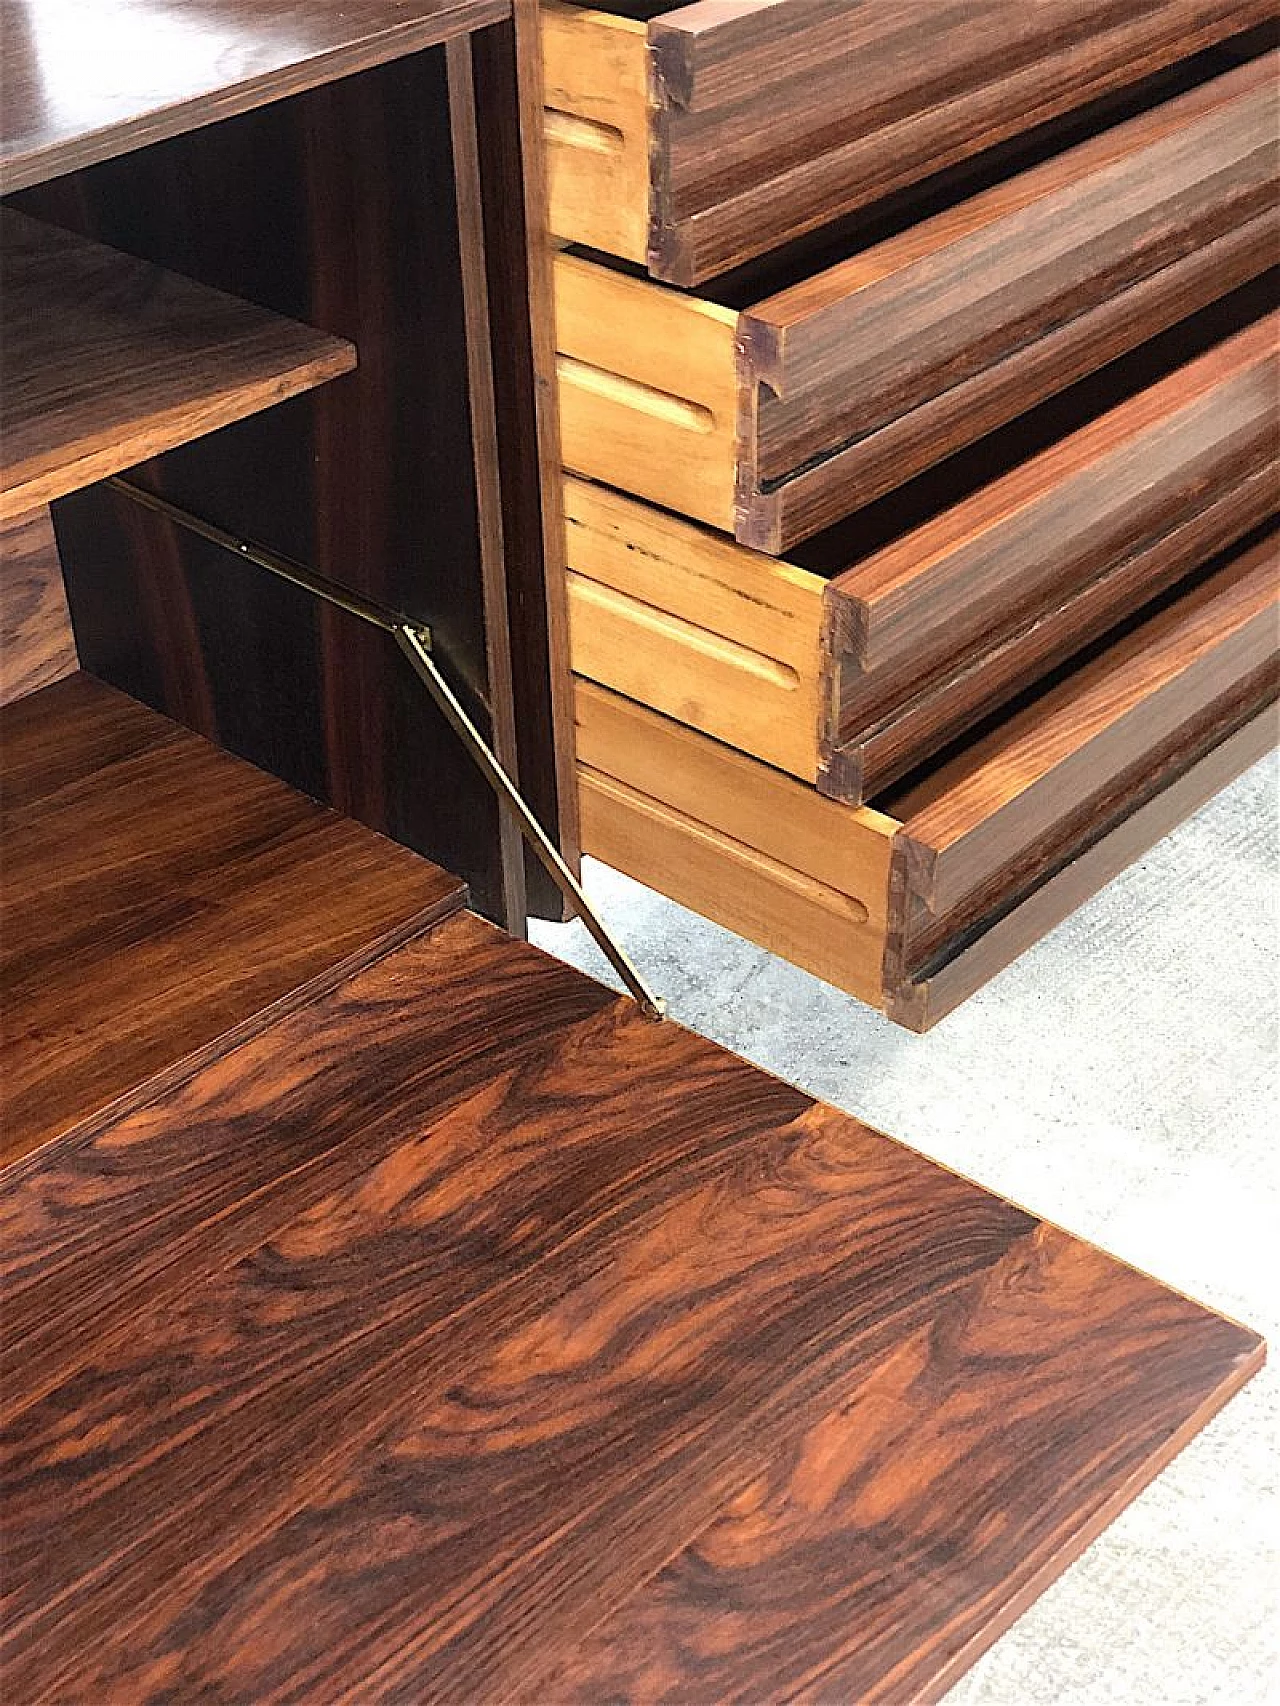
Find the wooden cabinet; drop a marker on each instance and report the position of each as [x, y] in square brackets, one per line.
[391, 1312]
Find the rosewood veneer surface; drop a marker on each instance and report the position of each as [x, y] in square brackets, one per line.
[109, 360]
[85, 84]
[466, 1337]
[160, 897]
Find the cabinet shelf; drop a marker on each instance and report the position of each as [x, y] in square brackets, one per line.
[109, 360]
[162, 901]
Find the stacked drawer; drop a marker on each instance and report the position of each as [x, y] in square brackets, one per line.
[918, 525]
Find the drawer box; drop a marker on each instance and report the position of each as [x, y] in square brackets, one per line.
[775, 416]
[883, 639]
[912, 902]
[719, 130]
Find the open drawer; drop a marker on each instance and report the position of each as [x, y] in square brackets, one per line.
[789, 394]
[689, 138]
[911, 903]
[880, 640]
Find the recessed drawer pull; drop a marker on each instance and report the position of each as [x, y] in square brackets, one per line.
[627, 393]
[575, 132]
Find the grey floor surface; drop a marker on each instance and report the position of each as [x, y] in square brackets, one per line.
[1120, 1079]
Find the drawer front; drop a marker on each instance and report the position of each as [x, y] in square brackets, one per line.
[987, 824]
[910, 905]
[725, 128]
[648, 389]
[685, 621]
[776, 421]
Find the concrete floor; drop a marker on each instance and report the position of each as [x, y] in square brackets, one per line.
[1115, 1080]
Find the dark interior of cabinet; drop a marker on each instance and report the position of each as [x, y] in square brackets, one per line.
[337, 208]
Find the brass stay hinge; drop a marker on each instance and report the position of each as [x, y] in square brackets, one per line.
[414, 640]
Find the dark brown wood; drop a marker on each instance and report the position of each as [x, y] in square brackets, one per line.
[508, 79]
[936, 629]
[842, 1574]
[337, 208]
[920, 1001]
[108, 361]
[37, 646]
[464, 138]
[1086, 750]
[80, 87]
[162, 900]
[859, 376]
[408, 1389]
[777, 116]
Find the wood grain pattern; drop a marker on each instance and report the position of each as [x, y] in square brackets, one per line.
[37, 646]
[936, 629]
[909, 326]
[648, 392]
[909, 906]
[1208, 658]
[595, 125]
[161, 898]
[882, 639]
[686, 621]
[83, 87]
[109, 360]
[738, 842]
[508, 81]
[438, 1405]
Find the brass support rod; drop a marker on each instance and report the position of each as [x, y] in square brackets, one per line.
[284, 567]
[414, 641]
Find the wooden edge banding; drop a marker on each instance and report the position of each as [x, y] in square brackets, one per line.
[919, 1005]
[773, 520]
[486, 458]
[37, 645]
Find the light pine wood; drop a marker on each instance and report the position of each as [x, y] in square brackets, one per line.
[109, 360]
[596, 124]
[752, 849]
[718, 637]
[37, 646]
[647, 383]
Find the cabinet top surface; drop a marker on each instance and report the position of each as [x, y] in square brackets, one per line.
[80, 83]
